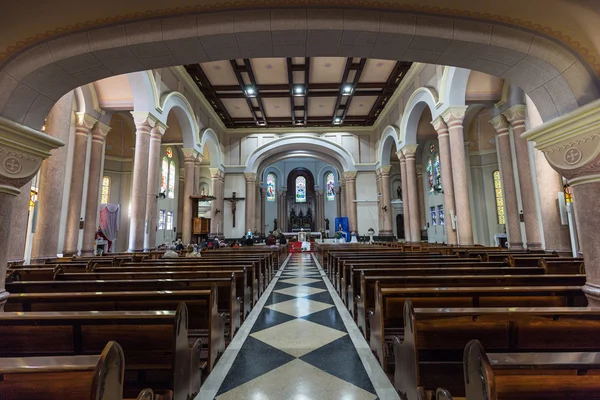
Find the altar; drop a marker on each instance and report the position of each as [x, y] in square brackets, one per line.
[296, 234]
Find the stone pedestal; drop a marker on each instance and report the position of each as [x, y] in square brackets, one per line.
[571, 144]
[409, 152]
[509, 189]
[386, 201]
[144, 122]
[52, 181]
[447, 179]
[454, 119]
[90, 226]
[405, 198]
[22, 151]
[152, 189]
[516, 118]
[190, 156]
[250, 201]
[83, 129]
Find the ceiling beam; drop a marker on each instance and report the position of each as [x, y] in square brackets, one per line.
[238, 75]
[307, 87]
[359, 72]
[312, 94]
[341, 88]
[396, 76]
[290, 75]
[311, 86]
[253, 83]
[198, 75]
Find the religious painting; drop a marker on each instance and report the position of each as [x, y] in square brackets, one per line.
[105, 193]
[161, 219]
[271, 187]
[300, 189]
[171, 191]
[164, 175]
[440, 212]
[499, 198]
[433, 216]
[330, 187]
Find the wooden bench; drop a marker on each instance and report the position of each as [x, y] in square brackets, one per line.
[388, 320]
[155, 344]
[434, 339]
[203, 319]
[93, 377]
[560, 265]
[525, 376]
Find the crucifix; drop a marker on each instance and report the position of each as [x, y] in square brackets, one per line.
[233, 201]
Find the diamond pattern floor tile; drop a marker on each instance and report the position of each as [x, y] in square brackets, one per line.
[299, 307]
[299, 281]
[299, 291]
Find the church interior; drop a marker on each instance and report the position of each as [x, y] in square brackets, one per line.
[285, 200]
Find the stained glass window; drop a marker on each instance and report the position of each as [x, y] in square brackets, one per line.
[499, 198]
[430, 173]
[437, 175]
[169, 222]
[271, 187]
[161, 219]
[440, 211]
[169, 152]
[105, 193]
[330, 186]
[433, 216]
[164, 175]
[434, 172]
[171, 191]
[300, 189]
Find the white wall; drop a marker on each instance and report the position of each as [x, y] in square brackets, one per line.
[485, 217]
[167, 204]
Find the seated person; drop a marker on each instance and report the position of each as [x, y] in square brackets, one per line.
[282, 239]
[192, 251]
[178, 245]
[171, 253]
[236, 245]
[271, 240]
[216, 243]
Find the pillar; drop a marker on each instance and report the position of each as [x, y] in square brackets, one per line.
[250, 201]
[258, 209]
[83, 128]
[180, 190]
[571, 144]
[379, 202]
[20, 224]
[215, 211]
[350, 177]
[281, 214]
[386, 200]
[405, 198]
[144, 122]
[338, 204]
[189, 156]
[196, 189]
[22, 151]
[52, 181]
[516, 118]
[447, 179]
[454, 119]
[152, 190]
[421, 197]
[263, 194]
[90, 226]
[409, 152]
[513, 222]
[220, 200]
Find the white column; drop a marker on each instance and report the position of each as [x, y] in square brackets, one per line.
[190, 156]
[153, 178]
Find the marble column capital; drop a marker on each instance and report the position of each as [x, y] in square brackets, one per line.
[453, 116]
[22, 151]
[440, 126]
[189, 155]
[145, 119]
[571, 144]
[350, 176]
[99, 132]
[500, 125]
[215, 173]
[250, 177]
[84, 122]
[410, 151]
[401, 156]
[516, 116]
[384, 170]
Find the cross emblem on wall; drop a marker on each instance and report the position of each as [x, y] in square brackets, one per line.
[573, 156]
[12, 165]
[233, 201]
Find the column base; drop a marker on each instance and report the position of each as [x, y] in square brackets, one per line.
[3, 298]
[135, 250]
[87, 253]
[515, 246]
[592, 292]
[534, 246]
[42, 260]
[150, 249]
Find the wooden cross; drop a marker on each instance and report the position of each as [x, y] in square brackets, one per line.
[233, 201]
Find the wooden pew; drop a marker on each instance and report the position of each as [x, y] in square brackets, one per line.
[562, 265]
[155, 344]
[93, 377]
[366, 299]
[203, 319]
[434, 338]
[529, 376]
[387, 320]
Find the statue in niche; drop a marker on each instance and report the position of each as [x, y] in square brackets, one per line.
[399, 192]
[203, 192]
[275, 224]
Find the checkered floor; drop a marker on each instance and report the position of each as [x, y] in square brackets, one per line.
[299, 347]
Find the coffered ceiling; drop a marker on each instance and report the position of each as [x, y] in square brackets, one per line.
[298, 91]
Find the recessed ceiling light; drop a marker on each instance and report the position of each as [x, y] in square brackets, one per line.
[299, 122]
[337, 121]
[261, 123]
[250, 91]
[347, 90]
[298, 91]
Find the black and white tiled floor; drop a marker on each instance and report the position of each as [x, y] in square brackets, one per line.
[297, 345]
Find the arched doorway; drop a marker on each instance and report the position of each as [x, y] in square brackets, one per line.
[400, 226]
[300, 200]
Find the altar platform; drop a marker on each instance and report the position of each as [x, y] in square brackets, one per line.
[296, 247]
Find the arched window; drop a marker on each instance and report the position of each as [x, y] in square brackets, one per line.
[300, 189]
[171, 191]
[164, 175]
[330, 183]
[271, 187]
[105, 193]
[434, 173]
[499, 198]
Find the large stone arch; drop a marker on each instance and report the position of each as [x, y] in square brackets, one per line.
[301, 146]
[145, 94]
[421, 98]
[209, 138]
[453, 90]
[177, 103]
[553, 74]
[389, 138]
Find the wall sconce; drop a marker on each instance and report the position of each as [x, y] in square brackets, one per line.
[161, 195]
[521, 216]
[217, 211]
[384, 208]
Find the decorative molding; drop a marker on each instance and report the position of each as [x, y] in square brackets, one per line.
[500, 124]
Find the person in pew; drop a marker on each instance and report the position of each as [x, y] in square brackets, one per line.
[236, 245]
[282, 239]
[171, 253]
[192, 251]
[216, 243]
[179, 245]
[271, 241]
